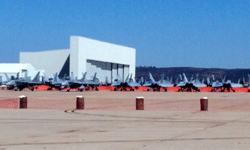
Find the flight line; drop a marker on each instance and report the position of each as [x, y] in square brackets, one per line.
[182, 84]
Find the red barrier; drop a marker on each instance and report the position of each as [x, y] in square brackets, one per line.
[243, 89]
[42, 87]
[144, 88]
[9, 103]
[239, 89]
[173, 88]
[104, 87]
[206, 89]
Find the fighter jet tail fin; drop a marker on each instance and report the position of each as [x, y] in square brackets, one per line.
[130, 79]
[94, 77]
[213, 77]
[176, 81]
[180, 77]
[223, 80]
[191, 79]
[162, 77]
[151, 78]
[36, 78]
[185, 78]
[171, 80]
[17, 76]
[83, 76]
[141, 81]
[7, 77]
[126, 80]
[55, 77]
[208, 80]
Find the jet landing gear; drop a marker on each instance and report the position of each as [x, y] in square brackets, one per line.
[214, 90]
[155, 89]
[32, 88]
[189, 89]
[95, 88]
[131, 89]
[228, 88]
[124, 89]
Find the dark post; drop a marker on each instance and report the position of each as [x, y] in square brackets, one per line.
[140, 103]
[23, 102]
[204, 104]
[79, 102]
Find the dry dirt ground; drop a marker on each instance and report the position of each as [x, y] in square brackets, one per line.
[171, 120]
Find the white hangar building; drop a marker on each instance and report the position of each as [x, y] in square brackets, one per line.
[11, 69]
[85, 55]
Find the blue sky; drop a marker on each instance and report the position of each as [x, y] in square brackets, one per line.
[165, 33]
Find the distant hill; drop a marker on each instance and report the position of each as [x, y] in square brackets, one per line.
[232, 74]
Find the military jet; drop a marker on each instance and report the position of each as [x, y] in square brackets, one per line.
[7, 79]
[129, 83]
[190, 85]
[244, 83]
[22, 83]
[156, 86]
[184, 84]
[90, 84]
[228, 85]
[83, 83]
[10, 83]
[56, 82]
[73, 83]
[141, 81]
[196, 83]
[132, 83]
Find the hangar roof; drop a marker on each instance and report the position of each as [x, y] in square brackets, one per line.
[14, 67]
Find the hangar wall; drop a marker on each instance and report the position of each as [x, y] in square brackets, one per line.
[50, 61]
[88, 49]
[85, 54]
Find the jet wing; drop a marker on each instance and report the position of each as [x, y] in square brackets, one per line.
[133, 84]
[164, 85]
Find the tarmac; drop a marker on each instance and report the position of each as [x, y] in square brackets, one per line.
[171, 120]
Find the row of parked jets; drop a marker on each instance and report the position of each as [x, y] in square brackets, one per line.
[184, 84]
[119, 84]
[20, 83]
